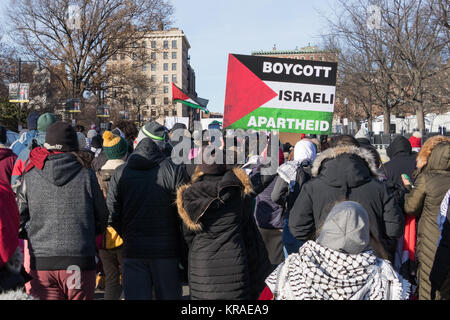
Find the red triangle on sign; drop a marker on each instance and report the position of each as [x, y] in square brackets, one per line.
[245, 92]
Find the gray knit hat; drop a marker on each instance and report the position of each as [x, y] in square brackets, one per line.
[346, 229]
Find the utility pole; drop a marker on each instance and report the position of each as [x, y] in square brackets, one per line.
[19, 125]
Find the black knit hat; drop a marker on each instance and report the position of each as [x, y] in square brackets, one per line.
[61, 136]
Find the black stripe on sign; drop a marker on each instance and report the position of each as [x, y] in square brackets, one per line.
[279, 69]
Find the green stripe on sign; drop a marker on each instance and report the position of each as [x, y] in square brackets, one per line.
[286, 120]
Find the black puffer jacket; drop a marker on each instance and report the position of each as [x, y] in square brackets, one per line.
[141, 201]
[346, 173]
[227, 256]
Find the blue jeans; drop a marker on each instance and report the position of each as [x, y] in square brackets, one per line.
[141, 276]
[290, 244]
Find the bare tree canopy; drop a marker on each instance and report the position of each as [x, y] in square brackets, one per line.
[83, 35]
[393, 51]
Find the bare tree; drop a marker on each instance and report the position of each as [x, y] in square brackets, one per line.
[365, 59]
[83, 44]
[420, 46]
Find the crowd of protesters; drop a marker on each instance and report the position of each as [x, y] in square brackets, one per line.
[331, 222]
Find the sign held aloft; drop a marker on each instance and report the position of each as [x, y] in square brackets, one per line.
[288, 95]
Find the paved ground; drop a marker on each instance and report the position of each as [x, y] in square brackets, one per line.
[99, 293]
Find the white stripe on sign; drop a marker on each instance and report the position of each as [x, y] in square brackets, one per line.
[300, 96]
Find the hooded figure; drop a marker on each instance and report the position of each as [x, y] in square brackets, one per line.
[62, 209]
[402, 160]
[339, 265]
[291, 177]
[227, 256]
[141, 200]
[423, 202]
[347, 173]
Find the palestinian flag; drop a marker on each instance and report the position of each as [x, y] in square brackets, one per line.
[179, 95]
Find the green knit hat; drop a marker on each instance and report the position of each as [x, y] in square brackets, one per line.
[45, 121]
[115, 147]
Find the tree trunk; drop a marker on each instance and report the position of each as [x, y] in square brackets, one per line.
[369, 124]
[387, 120]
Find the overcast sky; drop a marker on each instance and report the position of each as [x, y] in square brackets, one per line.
[216, 28]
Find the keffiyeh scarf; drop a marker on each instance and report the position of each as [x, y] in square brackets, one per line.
[319, 273]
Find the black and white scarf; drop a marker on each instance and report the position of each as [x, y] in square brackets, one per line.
[319, 273]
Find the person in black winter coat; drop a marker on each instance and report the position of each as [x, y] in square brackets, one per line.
[347, 172]
[402, 160]
[141, 200]
[227, 257]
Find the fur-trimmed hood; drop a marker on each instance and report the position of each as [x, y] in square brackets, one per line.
[345, 165]
[194, 199]
[438, 159]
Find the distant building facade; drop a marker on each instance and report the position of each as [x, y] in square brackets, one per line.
[168, 62]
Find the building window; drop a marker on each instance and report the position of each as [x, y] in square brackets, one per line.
[134, 56]
[153, 101]
[174, 78]
[174, 55]
[174, 112]
[153, 66]
[153, 55]
[135, 45]
[114, 57]
[153, 44]
[174, 44]
[166, 89]
[144, 44]
[166, 78]
[144, 67]
[166, 100]
[122, 56]
[153, 113]
[153, 90]
[166, 67]
[153, 78]
[174, 66]
[166, 44]
[165, 55]
[311, 58]
[166, 113]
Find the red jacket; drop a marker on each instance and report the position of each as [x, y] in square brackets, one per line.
[7, 159]
[9, 223]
